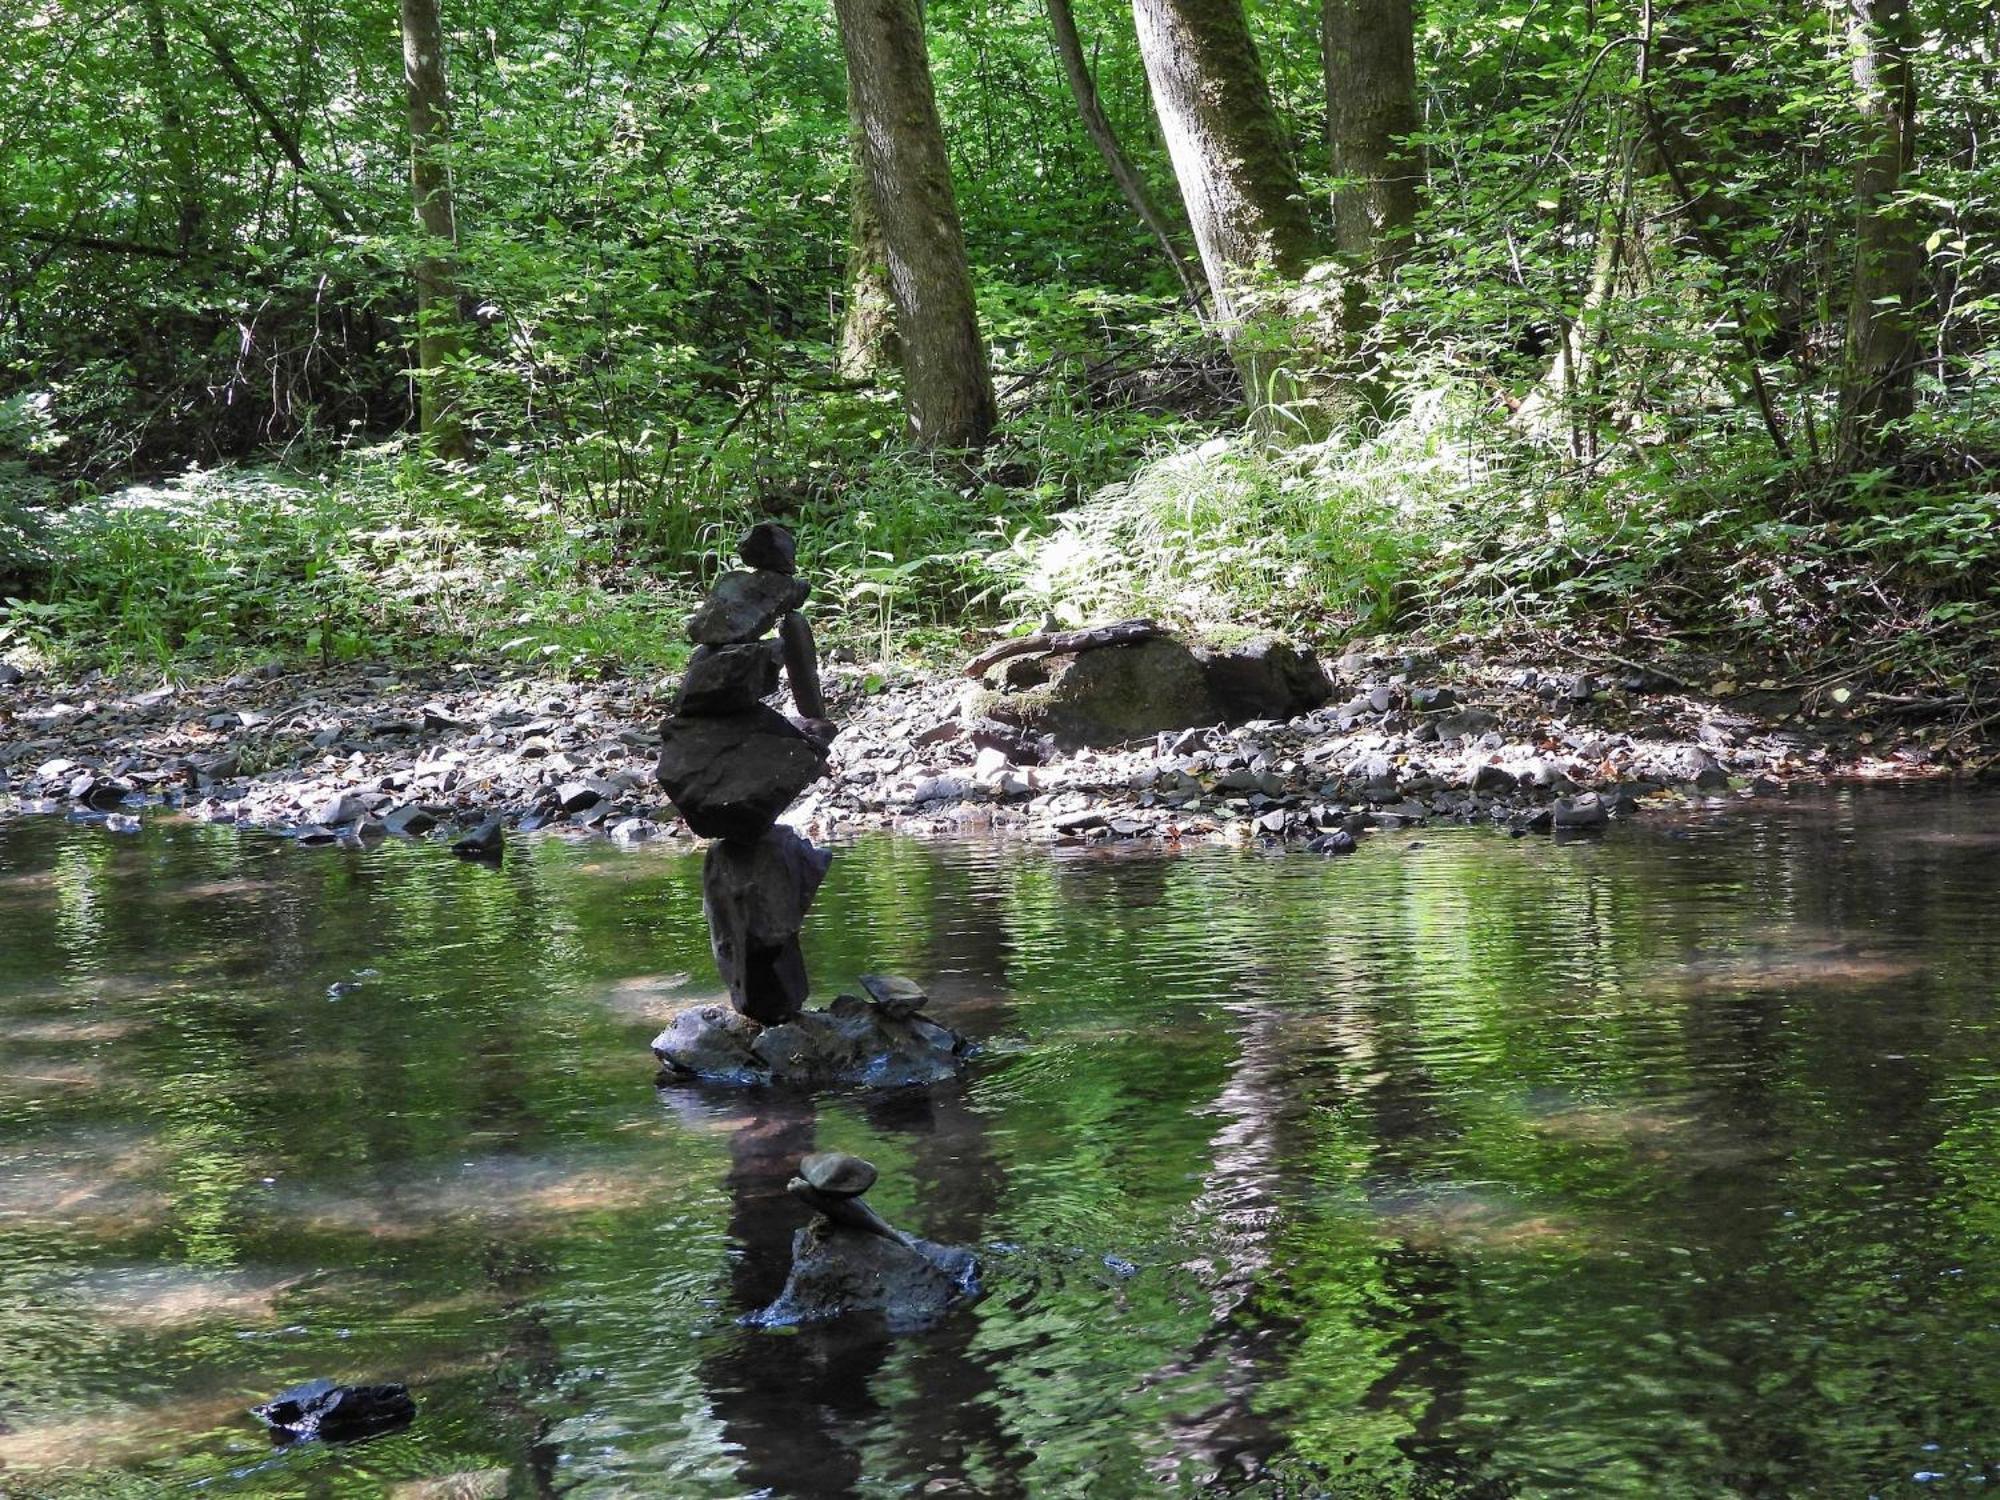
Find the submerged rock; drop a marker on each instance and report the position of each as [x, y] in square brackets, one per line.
[486, 842]
[837, 1273]
[336, 1413]
[851, 1042]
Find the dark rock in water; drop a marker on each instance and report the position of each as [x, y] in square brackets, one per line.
[1114, 694]
[1264, 679]
[485, 842]
[1339, 841]
[755, 897]
[795, 638]
[769, 546]
[727, 679]
[336, 1413]
[101, 793]
[409, 820]
[1494, 779]
[1586, 811]
[713, 1042]
[742, 606]
[899, 1284]
[1711, 779]
[730, 776]
[849, 1043]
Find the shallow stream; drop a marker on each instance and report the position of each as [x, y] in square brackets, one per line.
[1664, 1164]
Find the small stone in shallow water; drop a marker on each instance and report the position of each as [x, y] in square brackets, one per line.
[336, 1413]
[838, 1174]
[486, 842]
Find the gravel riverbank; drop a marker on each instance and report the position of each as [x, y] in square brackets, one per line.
[355, 753]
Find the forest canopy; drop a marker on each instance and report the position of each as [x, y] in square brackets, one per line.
[338, 328]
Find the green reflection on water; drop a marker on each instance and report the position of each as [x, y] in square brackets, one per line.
[1663, 1165]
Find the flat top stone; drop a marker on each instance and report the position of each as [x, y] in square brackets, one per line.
[894, 991]
[742, 606]
[837, 1174]
[769, 545]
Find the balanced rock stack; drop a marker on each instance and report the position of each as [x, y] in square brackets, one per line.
[851, 1263]
[732, 765]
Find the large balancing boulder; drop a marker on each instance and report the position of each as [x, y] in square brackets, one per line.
[730, 775]
[744, 605]
[900, 1285]
[755, 897]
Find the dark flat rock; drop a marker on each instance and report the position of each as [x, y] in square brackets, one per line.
[336, 1413]
[731, 775]
[841, 1274]
[742, 606]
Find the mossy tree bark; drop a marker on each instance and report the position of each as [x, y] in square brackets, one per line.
[1878, 374]
[1242, 193]
[947, 387]
[867, 347]
[1368, 50]
[438, 339]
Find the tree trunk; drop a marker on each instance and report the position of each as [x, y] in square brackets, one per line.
[1242, 193]
[947, 389]
[430, 195]
[1368, 49]
[1097, 125]
[1878, 376]
[176, 140]
[868, 346]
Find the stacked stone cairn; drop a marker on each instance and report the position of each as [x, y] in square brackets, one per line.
[852, 1263]
[732, 764]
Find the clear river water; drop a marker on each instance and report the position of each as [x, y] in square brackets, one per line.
[1661, 1164]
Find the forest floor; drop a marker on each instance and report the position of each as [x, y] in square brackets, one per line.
[347, 754]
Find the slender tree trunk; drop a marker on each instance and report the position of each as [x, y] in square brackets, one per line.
[1097, 125]
[430, 195]
[868, 345]
[176, 140]
[1368, 49]
[1878, 377]
[1237, 180]
[947, 388]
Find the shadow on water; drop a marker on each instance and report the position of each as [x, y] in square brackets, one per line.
[1659, 1164]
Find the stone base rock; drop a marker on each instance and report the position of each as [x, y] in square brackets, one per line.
[851, 1042]
[845, 1274]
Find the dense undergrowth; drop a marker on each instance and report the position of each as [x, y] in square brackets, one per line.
[1452, 519]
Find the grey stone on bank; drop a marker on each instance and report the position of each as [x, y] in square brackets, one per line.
[1112, 694]
[731, 776]
[743, 606]
[755, 897]
[727, 679]
[344, 807]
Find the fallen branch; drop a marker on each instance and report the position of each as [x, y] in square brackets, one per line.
[1063, 642]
